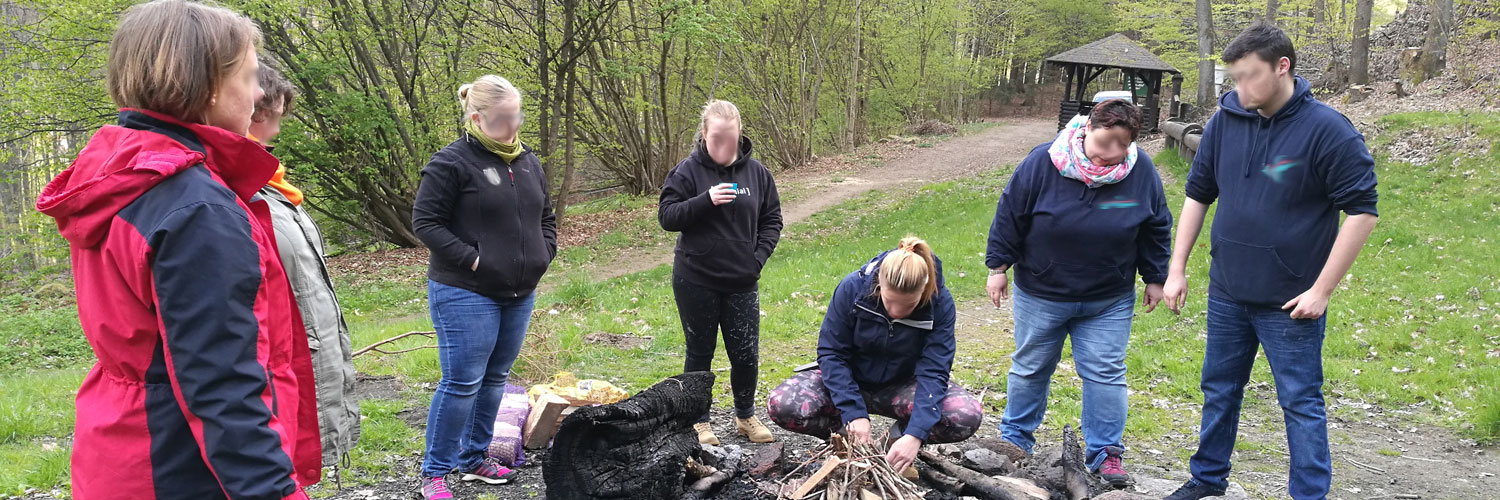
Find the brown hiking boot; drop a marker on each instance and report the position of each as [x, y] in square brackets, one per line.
[706, 434]
[751, 428]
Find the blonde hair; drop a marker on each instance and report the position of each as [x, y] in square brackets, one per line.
[486, 92]
[910, 269]
[720, 109]
[171, 56]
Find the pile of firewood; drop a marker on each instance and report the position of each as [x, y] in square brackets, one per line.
[841, 471]
[847, 471]
[1051, 475]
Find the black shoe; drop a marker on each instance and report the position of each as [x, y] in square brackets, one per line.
[1194, 490]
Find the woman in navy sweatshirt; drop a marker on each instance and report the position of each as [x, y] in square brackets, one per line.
[1079, 218]
[886, 347]
[724, 205]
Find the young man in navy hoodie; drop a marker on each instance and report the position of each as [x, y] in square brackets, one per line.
[1282, 166]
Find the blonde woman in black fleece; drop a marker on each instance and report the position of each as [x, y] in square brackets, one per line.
[483, 212]
[724, 205]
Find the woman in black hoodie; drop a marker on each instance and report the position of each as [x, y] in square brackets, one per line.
[725, 207]
[483, 212]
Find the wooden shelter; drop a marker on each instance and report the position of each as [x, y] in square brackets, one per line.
[1142, 76]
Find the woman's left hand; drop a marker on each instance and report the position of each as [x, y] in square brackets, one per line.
[1154, 295]
[903, 453]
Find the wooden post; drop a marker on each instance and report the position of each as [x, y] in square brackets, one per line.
[1176, 106]
[1083, 83]
[1153, 101]
[1068, 84]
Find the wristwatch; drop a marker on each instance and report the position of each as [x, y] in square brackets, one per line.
[999, 270]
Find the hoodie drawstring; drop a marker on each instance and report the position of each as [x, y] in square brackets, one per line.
[1257, 148]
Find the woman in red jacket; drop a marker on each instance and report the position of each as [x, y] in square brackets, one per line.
[203, 384]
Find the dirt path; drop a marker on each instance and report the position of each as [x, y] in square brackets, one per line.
[952, 159]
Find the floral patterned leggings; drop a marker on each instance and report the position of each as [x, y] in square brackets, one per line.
[803, 405]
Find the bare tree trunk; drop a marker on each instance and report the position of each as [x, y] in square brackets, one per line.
[545, 98]
[566, 73]
[1435, 44]
[1206, 91]
[1359, 67]
[1319, 13]
[1271, 8]
[570, 159]
[921, 81]
[854, 135]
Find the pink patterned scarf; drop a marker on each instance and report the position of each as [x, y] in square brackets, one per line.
[1070, 160]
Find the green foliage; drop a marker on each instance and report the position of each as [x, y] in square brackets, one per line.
[36, 410]
[1411, 328]
[377, 80]
[41, 338]
[1482, 21]
[31, 465]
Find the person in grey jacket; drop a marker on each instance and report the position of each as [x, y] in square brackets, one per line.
[300, 246]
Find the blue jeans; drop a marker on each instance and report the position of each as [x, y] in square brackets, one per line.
[478, 338]
[1099, 329]
[1294, 348]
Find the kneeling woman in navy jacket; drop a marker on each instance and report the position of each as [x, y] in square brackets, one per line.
[886, 347]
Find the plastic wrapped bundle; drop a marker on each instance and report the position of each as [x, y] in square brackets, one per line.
[568, 386]
[506, 445]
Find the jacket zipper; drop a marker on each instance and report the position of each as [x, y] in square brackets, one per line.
[890, 326]
[275, 402]
[516, 209]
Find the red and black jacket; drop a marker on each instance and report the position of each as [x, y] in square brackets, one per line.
[203, 384]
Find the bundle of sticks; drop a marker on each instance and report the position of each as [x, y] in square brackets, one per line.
[849, 471]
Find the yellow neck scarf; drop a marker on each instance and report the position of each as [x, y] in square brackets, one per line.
[507, 151]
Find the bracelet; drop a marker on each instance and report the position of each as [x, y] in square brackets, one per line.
[999, 270]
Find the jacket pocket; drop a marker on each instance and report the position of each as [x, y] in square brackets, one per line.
[1070, 279]
[537, 258]
[496, 269]
[697, 244]
[1253, 271]
[472, 266]
[722, 258]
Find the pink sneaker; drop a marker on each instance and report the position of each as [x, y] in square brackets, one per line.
[491, 472]
[1112, 471]
[435, 488]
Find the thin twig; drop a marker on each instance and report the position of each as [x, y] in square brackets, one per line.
[1370, 468]
[1408, 457]
[372, 347]
[417, 348]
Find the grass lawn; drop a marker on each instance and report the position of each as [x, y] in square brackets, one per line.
[1414, 325]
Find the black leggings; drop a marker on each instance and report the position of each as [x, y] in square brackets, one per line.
[704, 312]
